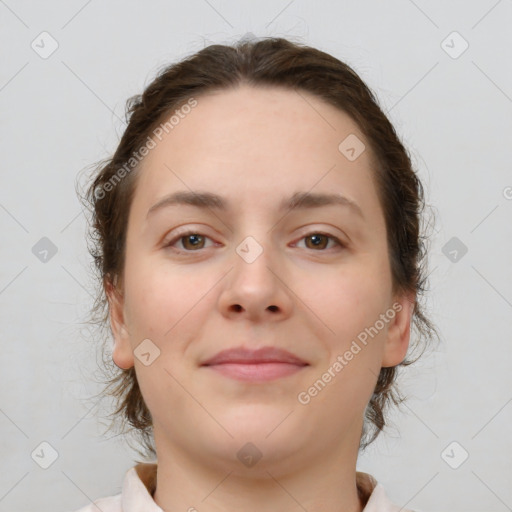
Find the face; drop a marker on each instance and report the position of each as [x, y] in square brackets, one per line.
[312, 278]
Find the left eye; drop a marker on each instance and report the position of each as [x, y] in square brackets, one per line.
[320, 240]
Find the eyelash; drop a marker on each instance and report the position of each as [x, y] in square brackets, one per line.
[178, 237]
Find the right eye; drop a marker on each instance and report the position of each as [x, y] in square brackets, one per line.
[191, 241]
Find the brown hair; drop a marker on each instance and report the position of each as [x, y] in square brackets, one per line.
[265, 62]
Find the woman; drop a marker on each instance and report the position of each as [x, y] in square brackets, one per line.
[258, 242]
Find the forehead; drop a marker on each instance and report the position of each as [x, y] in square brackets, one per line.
[282, 119]
[257, 142]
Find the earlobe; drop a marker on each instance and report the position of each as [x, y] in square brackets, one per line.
[122, 353]
[399, 331]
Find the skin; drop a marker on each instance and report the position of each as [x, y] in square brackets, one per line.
[256, 146]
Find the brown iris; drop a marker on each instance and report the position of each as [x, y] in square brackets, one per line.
[318, 240]
[196, 241]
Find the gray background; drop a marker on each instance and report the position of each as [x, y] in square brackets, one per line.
[61, 113]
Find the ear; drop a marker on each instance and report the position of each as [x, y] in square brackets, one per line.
[399, 330]
[122, 353]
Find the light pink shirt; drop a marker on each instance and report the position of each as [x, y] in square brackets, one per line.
[139, 482]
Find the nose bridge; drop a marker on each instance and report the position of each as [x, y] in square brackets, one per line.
[250, 249]
[254, 257]
[255, 245]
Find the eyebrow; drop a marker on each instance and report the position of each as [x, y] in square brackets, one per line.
[298, 200]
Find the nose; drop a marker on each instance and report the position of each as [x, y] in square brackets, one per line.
[255, 288]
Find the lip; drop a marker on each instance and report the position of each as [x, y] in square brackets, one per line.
[243, 355]
[267, 363]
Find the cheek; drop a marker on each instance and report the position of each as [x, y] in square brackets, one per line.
[351, 305]
[164, 298]
[349, 302]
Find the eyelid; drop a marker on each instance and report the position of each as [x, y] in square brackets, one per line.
[328, 231]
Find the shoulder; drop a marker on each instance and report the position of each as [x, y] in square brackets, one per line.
[136, 494]
[107, 504]
[380, 502]
[374, 495]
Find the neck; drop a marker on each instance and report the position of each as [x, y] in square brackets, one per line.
[326, 484]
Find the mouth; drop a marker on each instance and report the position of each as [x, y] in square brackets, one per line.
[256, 371]
[268, 363]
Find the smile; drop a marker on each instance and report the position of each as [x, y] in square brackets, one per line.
[264, 371]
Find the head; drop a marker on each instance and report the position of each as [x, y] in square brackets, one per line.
[336, 283]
